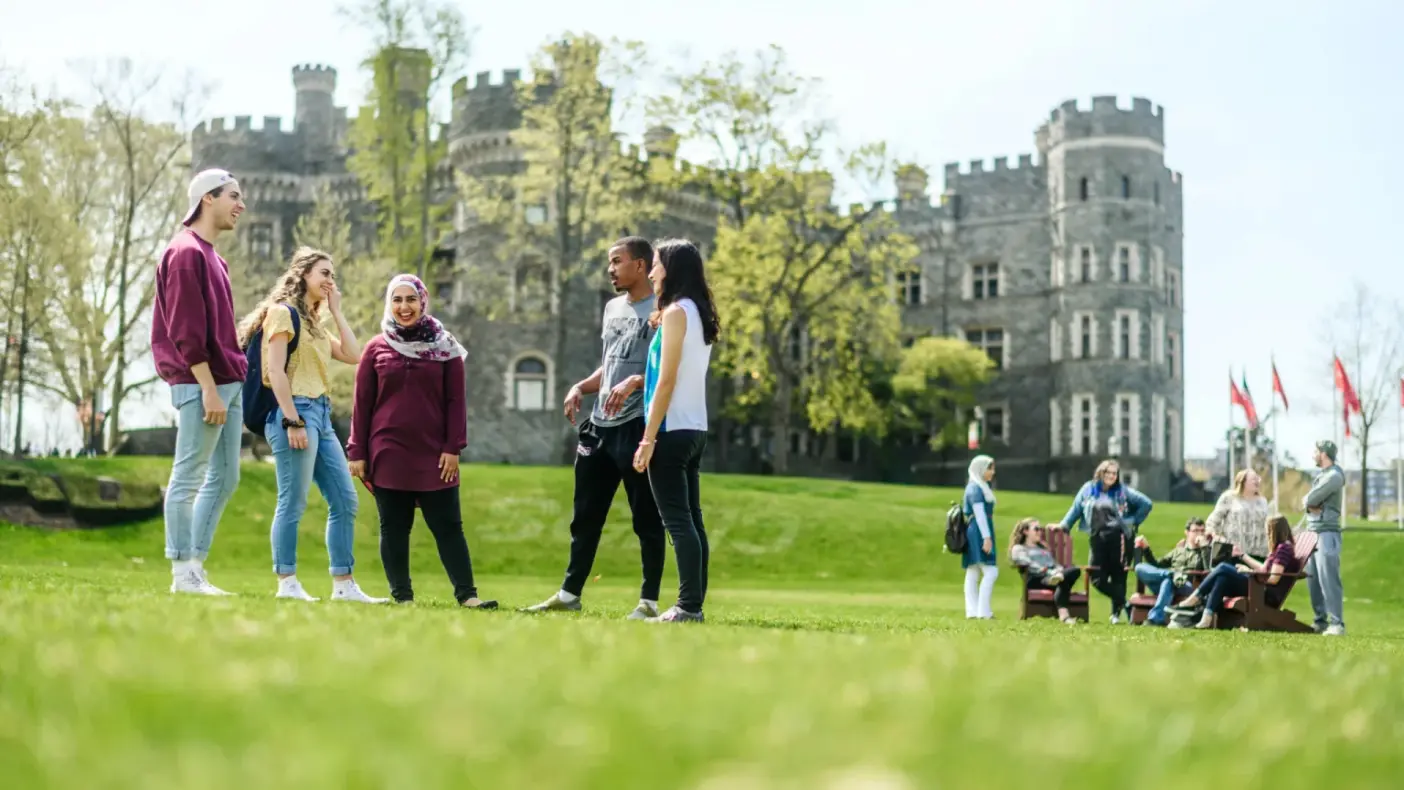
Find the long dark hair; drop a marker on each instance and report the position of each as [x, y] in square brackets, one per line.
[685, 279]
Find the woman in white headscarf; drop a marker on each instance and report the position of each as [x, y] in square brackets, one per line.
[979, 560]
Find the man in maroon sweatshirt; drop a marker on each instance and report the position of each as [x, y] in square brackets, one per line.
[196, 350]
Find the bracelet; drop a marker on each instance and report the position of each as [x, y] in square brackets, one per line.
[298, 423]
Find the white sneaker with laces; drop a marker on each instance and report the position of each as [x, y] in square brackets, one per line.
[644, 611]
[350, 591]
[290, 587]
[192, 580]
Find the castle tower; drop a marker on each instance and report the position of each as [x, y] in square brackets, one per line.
[315, 116]
[1116, 324]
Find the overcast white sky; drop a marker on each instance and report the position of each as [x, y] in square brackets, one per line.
[1283, 117]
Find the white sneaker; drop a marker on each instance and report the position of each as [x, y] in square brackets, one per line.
[1115, 620]
[644, 611]
[350, 591]
[1334, 630]
[290, 587]
[191, 580]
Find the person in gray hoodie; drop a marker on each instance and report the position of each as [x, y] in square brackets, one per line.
[1323, 511]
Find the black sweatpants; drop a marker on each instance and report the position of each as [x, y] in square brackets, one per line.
[445, 521]
[674, 474]
[1109, 552]
[604, 458]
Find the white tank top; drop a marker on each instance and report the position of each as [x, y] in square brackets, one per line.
[687, 411]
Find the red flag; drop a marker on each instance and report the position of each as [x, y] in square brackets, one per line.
[1237, 398]
[1251, 408]
[1277, 386]
[1348, 396]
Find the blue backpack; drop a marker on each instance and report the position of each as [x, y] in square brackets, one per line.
[259, 401]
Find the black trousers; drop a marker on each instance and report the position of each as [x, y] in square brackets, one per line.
[674, 474]
[1062, 590]
[604, 458]
[445, 521]
[1110, 550]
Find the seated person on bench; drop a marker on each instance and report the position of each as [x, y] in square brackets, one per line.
[1028, 551]
[1170, 575]
[1227, 581]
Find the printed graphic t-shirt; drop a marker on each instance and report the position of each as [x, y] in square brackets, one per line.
[626, 335]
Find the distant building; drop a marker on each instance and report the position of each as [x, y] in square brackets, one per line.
[1066, 267]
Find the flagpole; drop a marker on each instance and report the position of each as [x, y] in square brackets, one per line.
[1399, 459]
[1230, 428]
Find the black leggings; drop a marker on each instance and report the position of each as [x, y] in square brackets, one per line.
[674, 474]
[445, 521]
[1109, 550]
[1062, 591]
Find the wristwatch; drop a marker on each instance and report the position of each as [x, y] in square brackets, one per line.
[298, 423]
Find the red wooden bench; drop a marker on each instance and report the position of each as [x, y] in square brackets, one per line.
[1038, 602]
[1251, 612]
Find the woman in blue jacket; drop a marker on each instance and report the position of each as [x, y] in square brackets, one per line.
[1111, 512]
[979, 561]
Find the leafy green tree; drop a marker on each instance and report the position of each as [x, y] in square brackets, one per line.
[805, 290]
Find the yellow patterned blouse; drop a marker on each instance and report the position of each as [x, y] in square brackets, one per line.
[307, 369]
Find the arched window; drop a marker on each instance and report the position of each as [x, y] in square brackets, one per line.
[530, 377]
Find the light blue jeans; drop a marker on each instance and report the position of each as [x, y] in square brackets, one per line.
[323, 462]
[204, 471]
[1162, 580]
[1324, 581]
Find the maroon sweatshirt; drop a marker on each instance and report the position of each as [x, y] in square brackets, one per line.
[406, 413]
[192, 319]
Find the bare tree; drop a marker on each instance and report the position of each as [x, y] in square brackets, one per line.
[119, 174]
[1366, 335]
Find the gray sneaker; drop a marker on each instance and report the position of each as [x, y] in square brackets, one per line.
[555, 604]
[676, 615]
[643, 611]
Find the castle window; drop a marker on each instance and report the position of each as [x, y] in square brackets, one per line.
[1123, 264]
[1082, 189]
[261, 240]
[1127, 343]
[1155, 190]
[1172, 289]
[1085, 329]
[1172, 347]
[1128, 423]
[1126, 187]
[1085, 270]
[1084, 424]
[993, 427]
[991, 341]
[529, 384]
[443, 292]
[909, 284]
[984, 280]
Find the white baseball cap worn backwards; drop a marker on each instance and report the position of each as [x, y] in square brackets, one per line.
[204, 182]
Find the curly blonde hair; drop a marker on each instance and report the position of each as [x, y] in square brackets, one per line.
[290, 290]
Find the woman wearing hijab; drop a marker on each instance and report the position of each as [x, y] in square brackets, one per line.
[408, 425]
[979, 560]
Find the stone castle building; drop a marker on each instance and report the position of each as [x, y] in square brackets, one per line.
[1066, 267]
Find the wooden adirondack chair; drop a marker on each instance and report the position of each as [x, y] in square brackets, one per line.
[1039, 602]
[1252, 613]
[1143, 600]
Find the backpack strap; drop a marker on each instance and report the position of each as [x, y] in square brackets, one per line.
[297, 328]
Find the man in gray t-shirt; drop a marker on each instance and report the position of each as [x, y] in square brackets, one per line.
[604, 457]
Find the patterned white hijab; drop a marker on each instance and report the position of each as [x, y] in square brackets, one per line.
[427, 339]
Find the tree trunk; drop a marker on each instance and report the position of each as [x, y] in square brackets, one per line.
[9, 333]
[19, 370]
[424, 235]
[1364, 472]
[119, 379]
[780, 423]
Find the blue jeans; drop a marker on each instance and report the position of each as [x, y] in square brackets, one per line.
[1224, 581]
[1163, 582]
[204, 471]
[1324, 581]
[323, 462]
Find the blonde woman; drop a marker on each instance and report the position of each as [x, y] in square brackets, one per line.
[1028, 550]
[305, 447]
[1239, 515]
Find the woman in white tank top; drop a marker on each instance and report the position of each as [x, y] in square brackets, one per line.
[675, 412]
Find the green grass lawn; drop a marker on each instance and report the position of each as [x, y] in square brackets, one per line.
[836, 655]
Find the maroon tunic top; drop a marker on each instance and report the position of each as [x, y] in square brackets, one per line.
[406, 413]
